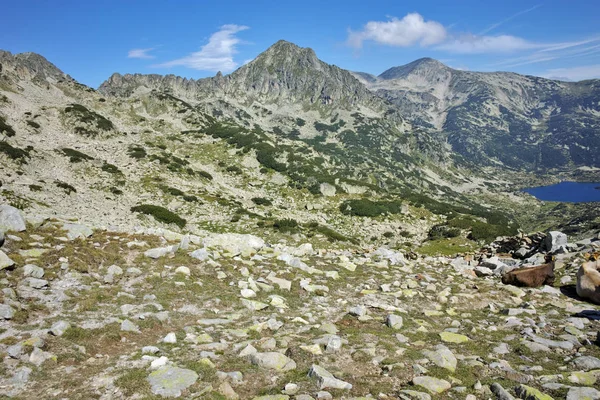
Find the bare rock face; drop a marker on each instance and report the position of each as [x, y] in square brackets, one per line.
[531, 276]
[588, 281]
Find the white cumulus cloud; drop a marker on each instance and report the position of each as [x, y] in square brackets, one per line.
[140, 53]
[408, 31]
[216, 55]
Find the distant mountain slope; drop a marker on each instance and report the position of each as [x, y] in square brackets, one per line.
[283, 74]
[520, 121]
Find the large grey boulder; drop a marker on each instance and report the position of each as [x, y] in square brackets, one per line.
[5, 261]
[6, 311]
[170, 381]
[77, 231]
[327, 189]
[273, 360]
[326, 379]
[11, 219]
[555, 241]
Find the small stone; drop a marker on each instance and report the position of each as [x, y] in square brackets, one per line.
[273, 360]
[128, 326]
[11, 219]
[33, 270]
[442, 357]
[150, 350]
[59, 328]
[170, 381]
[500, 392]
[170, 338]
[434, 385]
[529, 393]
[6, 311]
[394, 321]
[254, 305]
[583, 393]
[159, 362]
[451, 337]
[358, 311]
[5, 261]
[326, 379]
[183, 270]
[587, 363]
[35, 283]
[248, 293]
[291, 389]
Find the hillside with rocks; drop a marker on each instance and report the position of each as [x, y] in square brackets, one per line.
[293, 231]
[522, 122]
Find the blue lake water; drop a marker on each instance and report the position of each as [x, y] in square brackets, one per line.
[572, 192]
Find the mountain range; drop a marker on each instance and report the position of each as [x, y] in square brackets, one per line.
[310, 138]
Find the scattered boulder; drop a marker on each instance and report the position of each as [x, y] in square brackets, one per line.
[326, 379]
[555, 241]
[531, 276]
[59, 328]
[327, 189]
[529, 393]
[588, 281]
[273, 360]
[5, 261]
[170, 381]
[11, 219]
[6, 311]
[75, 231]
[434, 385]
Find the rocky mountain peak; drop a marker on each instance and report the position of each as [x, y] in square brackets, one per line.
[422, 66]
[30, 66]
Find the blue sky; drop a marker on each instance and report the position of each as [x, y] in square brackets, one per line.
[92, 39]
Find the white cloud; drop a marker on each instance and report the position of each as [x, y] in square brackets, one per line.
[408, 31]
[574, 73]
[140, 53]
[476, 44]
[216, 55]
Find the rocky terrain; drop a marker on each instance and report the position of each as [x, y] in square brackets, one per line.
[101, 314]
[292, 231]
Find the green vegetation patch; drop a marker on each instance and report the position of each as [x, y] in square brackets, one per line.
[160, 214]
[136, 151]
[111, 169]
[14, 153]
[6, 128]
[84, 115]
[65, 186]
[370, 208]
[75, 156]
[261, 201]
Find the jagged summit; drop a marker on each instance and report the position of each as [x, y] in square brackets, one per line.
[421, 66]
[283, 74]
[30, 66]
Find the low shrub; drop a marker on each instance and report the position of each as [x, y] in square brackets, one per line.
[286, 225]
[137, 152]
[160, 214]
[111, 169]
[75, 156]
[442, 231]
[66, 187]
[261, 201]
[33, 124]
[205, 175]
[6, 128]
[15, 153]
[35, 188]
